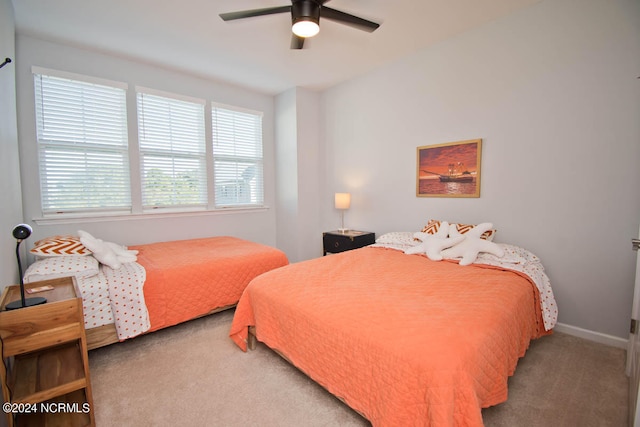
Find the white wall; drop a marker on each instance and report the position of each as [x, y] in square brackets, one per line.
[299, 176]
[287, 173]
[554, 93]
[11, 201]
[255, 225]
[310, 172]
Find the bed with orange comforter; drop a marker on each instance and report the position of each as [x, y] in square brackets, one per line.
[181, 280]
[401, 339]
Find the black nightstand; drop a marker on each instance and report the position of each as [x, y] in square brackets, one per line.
[339, 241]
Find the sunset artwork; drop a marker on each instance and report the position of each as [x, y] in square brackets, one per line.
[449, 170]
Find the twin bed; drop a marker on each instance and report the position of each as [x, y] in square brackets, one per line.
[402, 339]
[169, 283]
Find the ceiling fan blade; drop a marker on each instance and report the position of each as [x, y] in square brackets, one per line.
[347, 19]
[296, 42]
[230, 16]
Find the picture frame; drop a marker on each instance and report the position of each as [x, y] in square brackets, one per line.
[451, 169]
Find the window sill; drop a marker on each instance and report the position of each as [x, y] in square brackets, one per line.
[105, 217]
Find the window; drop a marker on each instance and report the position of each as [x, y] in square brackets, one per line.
[82, 144]
[87, 165]
[237, 156]
[173, 160]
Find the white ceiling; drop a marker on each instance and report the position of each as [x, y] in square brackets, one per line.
[188, 35]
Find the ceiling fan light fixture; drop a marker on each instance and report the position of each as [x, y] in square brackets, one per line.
[305, 27]
[305, 18]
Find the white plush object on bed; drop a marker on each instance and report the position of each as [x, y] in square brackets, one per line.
[124, 255]
[61, 266]
[471, 245]
[433, 244]
[108, 253]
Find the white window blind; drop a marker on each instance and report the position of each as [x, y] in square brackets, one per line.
[172, 151]
[237, 156]
[82, 145]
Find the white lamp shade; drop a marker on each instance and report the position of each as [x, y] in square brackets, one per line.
[305, 28]
[343, 200]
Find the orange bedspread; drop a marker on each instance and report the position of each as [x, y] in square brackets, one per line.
[403, 340]
[189, 278]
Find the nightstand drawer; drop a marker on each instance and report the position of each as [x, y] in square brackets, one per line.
[337, 241]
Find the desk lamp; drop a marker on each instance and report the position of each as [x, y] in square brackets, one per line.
[21, 232]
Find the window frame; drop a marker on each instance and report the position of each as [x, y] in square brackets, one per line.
[255, 160]
[136, 210]
[162, 152]
[81, 142]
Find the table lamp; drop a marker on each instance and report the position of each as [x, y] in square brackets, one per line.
[21, 232]
[342, 202]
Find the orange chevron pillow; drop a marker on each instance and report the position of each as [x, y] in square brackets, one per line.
[434, 225]
[59, 246]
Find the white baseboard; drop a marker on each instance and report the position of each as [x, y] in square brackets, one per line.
[592, 335]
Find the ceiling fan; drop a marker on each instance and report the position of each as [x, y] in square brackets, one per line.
[305, 18]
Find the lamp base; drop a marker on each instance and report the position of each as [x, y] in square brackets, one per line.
[28, 302]
[343, 230]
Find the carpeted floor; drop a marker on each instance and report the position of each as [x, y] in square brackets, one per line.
[194, 375]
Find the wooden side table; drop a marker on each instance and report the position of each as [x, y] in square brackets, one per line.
[45, 375]
[340, 241]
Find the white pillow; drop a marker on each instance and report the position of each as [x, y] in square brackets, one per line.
[61, 266]
[397, 238]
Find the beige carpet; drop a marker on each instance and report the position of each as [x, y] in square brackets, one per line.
[193, 375]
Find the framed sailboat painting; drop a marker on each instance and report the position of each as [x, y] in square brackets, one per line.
[449, 170]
